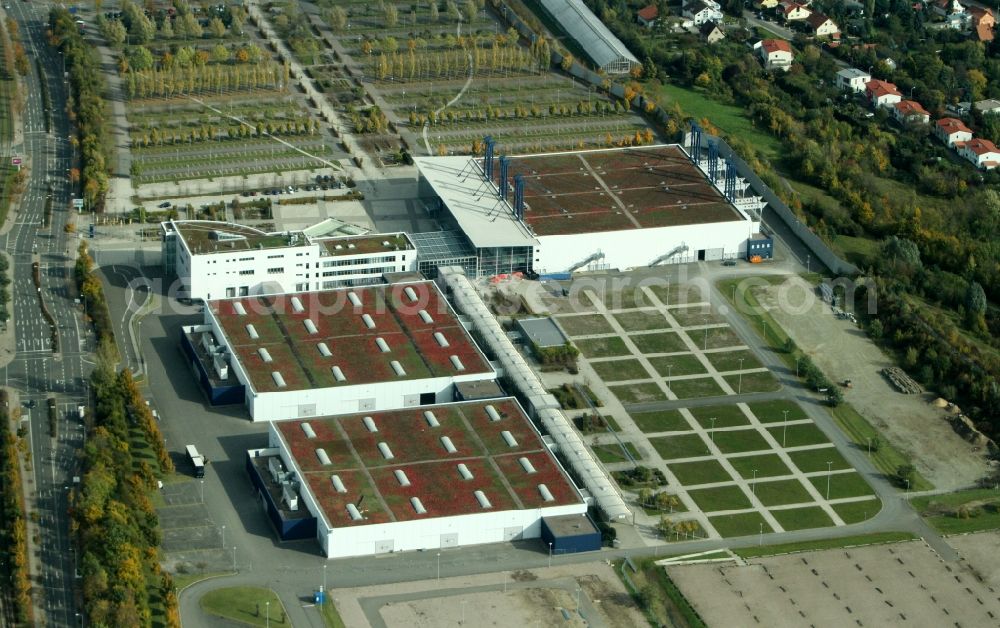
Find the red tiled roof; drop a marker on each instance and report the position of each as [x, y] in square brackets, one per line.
[910, 108]
[877, 88]
[818, 19]
[789, 7]
[980, 146]
[775, 45]
[649, 13]
[984, 32]
[952, 125]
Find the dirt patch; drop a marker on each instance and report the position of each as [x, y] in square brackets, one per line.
[843, 351]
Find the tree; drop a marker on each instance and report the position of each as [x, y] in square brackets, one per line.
[114, 31]
[140, 58]
[904, 475]
[391, 16]
[220, 54]
[434, 12]
[975, 307]
[875, 329]
[167, 29]
[216, 28]
[337, 18]
[470, 10]
[567, 62]
[192, 27]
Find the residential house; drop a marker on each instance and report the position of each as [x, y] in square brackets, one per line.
[853, 79]
[647, 16]
[982, 153]
[990, 105]
[982, 23]
[775, 53]
[822, 26]
[711, 33]
[948, 7]
[882, 93]
[952, 131]
[766, 4]
[792, 11]
[910, 112]
[700, 12]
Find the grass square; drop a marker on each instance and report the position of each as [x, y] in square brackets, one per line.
[738, 441]
[694, 388]
[627, 297]
[661, 421]
[659, 342]
[773, 411]
[720, 498]
[638, 393]
[725, 416]
[715, 338]
[812, 460]
[620, 370]
[702, 472]
[701, 314]
[680, 446]
[802, 518]
[609, 347]
[683, 294]
[761, 381]
[730, 360]
[681, 364]
[842, 485]
[584, 324]
[767, 465]
[855, 512]
[743, 524]
[612, 452]
[642, 320]
[782, 492]
[799, 435]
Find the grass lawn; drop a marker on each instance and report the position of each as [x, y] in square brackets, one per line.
[642, 320]
[798, 435]
[629, 297]
[330, 615]
[812, 460]
[660, 342]
[859, 540]
[720, 498]
[761, 381]
[661, 421]
[856, 512]
[842, 485]
[620, 370]
[696, 315]
[730, 119]
[246, 605]
[182, 580]
[749, 307]
[682, 446]
[610, 347]
[681, 364]
[703, 472]
[725, 416]
[767, 465]
[715, 338]
[612, 452]
[665, 604]
[683, 295]
[859, 251]
[585, 324]
[638, 393]
[693, 388]
[802, 518]
[980, 508]
[781, 492]
[887, 459]
[772, 411]
[730, 360]
[738, 441]
[740, 525]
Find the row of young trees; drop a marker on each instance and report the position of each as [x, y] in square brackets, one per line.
[89, 287]
[14, 573]
[433, 64]
[142, 58]
[459, 116]
[19, 56]
[213, 132]
[157, 83]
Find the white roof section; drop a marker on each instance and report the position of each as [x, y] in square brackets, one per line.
[581, 24]
[485, 219]
[849, 73]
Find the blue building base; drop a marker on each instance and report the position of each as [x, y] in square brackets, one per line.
[570, 534]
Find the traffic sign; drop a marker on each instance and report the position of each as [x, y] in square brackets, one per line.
[77, 203]
[15, 161]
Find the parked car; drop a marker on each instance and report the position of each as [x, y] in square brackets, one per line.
[729, 262]
[164, 205]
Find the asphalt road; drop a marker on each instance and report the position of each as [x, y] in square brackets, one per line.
[36, 371]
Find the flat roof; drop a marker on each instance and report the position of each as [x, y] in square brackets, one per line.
[542, 332]
[206, 236]
[322, 340]
[355, 456]
[356, 245]
[584, 192]
[570, 525]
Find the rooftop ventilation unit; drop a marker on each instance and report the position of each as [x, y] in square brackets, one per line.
[448, 445]
[431, 419]
[386, 243]
[239, 309]
[397, 368]
[338, 484]
[484, 501]
[464, 471]
[368, 321]
[418, 506]
[297, 305]
[457, 363]
[526, 465]
[324, 458]
[290, 497]
[324, 350]
[264, 355]
[369, 424]
[354, 299]
[410, 293]
[338, 374]
[441, 340]
[385, 451]
[276, 468]
[279, 381]
[354, 513]
[425, 317]
[310, 326]
[508, 438]
[545, 493]
[308, 430]
[492, 413]
[401, 477]
[351, 245]
[252, 332]
[382, 345]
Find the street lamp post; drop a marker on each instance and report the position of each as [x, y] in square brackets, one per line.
[234, 559]
[739, 388]
[439, 565]
[202, 491]
[760, 539]
[463, 612]
[829, 472]
[784, 428]
[869, 446]
[267, 613]
[324, 577]
[223, 537]
[712, 419]
[550, 554]
[670, 368]
[753, 487]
